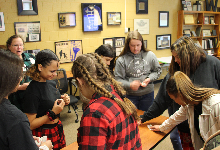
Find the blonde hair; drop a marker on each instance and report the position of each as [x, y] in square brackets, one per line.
[93, 70]
[180, 83]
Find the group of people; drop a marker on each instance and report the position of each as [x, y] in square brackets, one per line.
[111, 96]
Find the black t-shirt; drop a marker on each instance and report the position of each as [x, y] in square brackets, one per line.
[15, 132]
[40, 97]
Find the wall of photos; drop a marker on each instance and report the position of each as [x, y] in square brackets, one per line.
[51, 32]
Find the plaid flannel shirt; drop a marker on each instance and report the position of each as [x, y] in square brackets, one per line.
[105, 126]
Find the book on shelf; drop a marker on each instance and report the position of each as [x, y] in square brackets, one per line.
[194, 33]
[214, 32]
[209, 43]
[198, 31]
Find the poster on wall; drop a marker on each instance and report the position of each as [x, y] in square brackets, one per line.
[29, 31]
[141, 25]
[68, 51]
[92, 17]
[2, 23]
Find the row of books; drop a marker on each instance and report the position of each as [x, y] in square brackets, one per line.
[206, 32]
[209, 43]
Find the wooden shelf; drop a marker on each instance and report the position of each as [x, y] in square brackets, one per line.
[199, 16]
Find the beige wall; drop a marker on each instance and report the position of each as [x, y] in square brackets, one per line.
[50, 32]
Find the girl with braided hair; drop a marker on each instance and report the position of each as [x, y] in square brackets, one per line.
[181, 89]
[202, 69]
[109, 121]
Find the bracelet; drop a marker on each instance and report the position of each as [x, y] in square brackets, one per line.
[51, 115]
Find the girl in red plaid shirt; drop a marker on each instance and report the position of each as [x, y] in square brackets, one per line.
[109, 120]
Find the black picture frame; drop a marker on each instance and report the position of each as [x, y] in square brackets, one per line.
[163, 41]
[163, 18]
[109, 41]
[141, 6]
[67, 19]
[29, 31]
[23, 10]
[90, 22]
[113, 18]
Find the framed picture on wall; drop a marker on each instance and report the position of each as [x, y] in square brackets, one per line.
[163, 18]
[92, 17]
[29, 31]
[2, 23]
[141, 6]
[68, 51]
[141, 25]
[163, 41]
[27, 7]
[109, 41]
[67, 19]
[113, 18]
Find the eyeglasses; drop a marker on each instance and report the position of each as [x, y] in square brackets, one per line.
[21, 45]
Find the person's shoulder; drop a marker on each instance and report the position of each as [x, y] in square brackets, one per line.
[11, 112]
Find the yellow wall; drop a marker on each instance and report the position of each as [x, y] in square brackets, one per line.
[50, 32]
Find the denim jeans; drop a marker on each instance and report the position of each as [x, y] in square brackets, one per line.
[142, 102]
[174, 135]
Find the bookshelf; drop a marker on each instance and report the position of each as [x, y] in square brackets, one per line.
[193, 20]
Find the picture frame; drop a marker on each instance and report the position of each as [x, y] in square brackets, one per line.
[206, 32]
[2, 23]
[67, 19]
[189, 19]
[212, 20]
[141, 6]
[29, 31]
[163, 18]
[27, 7]
[68, 51]
[187, 32]
[206, 20]
[109, 41]
[145, 43]
[142, 26]
[89, 21]
[113, 18]
[163, 41]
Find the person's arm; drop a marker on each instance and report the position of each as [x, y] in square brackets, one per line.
[155, 68]
[120, 74]
[93, 132]
[160, 103]
[20, 137]
[37, 122]
[177, 118]
[23, 86]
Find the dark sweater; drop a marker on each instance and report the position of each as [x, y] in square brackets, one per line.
[15, 129]
[206, 75]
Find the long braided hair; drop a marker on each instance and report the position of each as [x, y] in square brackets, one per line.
[95, 72]
[180, 83]
[190, 54]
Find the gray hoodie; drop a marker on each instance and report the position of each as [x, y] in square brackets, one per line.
[130, 67]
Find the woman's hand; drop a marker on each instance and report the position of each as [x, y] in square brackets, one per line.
[155, 128]
[134, 85]
[48, 143]
[57, 108]
[145, 82]
[66, 98]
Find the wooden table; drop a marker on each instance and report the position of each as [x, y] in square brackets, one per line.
[149, 139]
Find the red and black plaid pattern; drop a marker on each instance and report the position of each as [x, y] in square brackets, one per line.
[105, 126]
[55, 134]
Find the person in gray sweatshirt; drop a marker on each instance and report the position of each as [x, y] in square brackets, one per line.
[136, 68]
